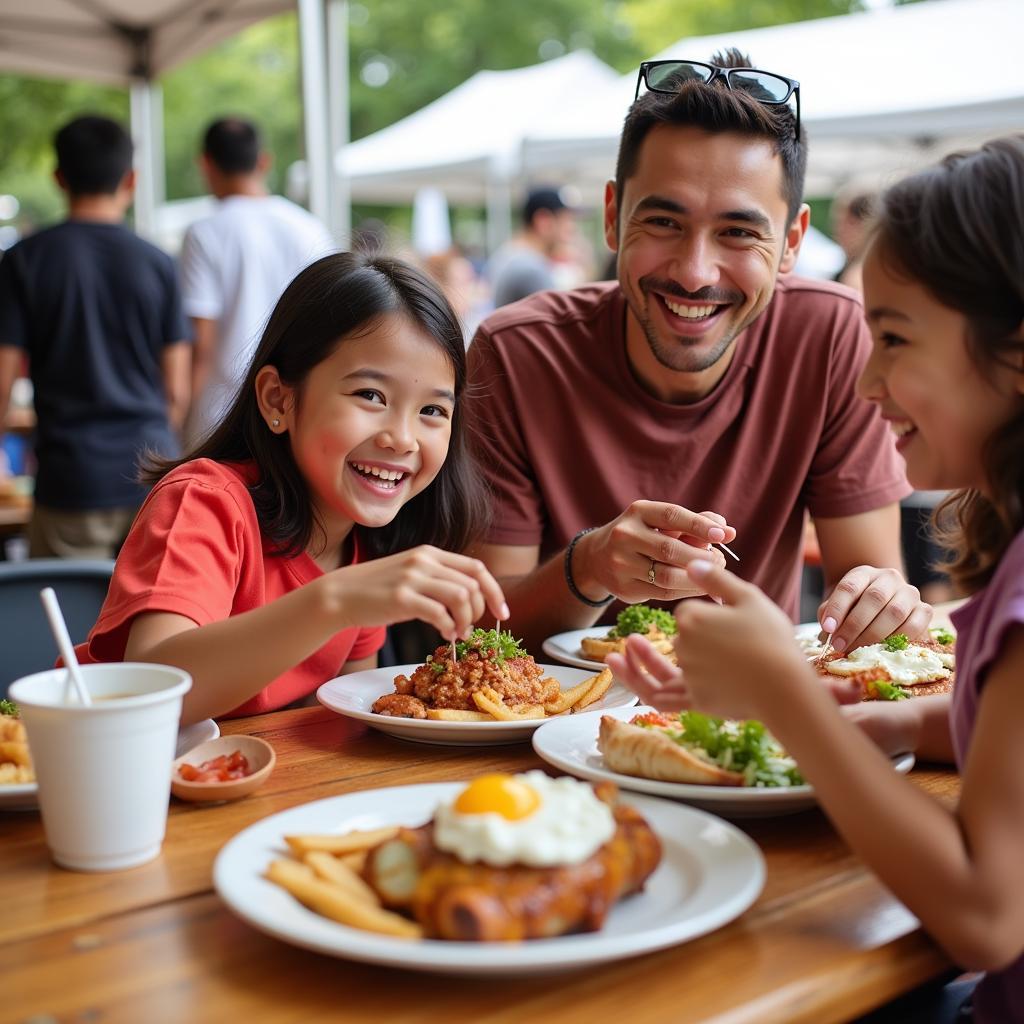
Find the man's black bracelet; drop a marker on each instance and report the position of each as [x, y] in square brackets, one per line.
[571, 583]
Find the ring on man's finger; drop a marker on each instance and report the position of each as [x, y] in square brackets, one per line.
[652, 572]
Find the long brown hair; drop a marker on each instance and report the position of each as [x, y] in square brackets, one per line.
[958, 230]
[333, 299]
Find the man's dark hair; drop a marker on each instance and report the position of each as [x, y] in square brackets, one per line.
[93, 155]
[233, 145]
[716, 108]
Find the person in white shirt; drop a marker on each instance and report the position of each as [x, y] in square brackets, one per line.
[235, 264]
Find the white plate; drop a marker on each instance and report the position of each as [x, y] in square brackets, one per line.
[571, 745]
[710, 873]
[23, 797]
[565, 647]
[353, 696]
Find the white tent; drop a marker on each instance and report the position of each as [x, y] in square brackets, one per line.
[880, 90]
[132, 42]
[468, 143]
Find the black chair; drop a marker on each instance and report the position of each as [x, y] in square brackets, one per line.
[26, 642]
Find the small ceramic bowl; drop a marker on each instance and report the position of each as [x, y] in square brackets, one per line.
[259, 753]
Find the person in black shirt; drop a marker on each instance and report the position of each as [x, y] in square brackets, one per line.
[98, 313]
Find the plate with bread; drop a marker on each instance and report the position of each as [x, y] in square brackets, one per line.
[485, 689]
[587, 648]
[497, 875]
[732, 768]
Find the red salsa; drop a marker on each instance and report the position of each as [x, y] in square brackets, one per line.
[217, 769]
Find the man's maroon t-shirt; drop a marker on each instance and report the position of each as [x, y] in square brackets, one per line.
[567, 437]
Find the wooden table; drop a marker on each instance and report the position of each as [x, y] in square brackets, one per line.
[824, 942]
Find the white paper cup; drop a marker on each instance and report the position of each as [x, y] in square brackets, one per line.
[104, 771]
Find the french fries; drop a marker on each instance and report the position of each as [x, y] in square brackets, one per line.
[490, 701]
[599, 687]
[350, 842]
[453, 715]
[335, 901]
[568, 698]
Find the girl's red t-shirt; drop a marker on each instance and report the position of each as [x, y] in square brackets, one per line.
[196, 550]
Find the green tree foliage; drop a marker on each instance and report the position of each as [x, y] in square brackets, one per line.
[404, 54]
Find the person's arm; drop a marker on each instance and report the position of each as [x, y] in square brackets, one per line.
[362, 665]
[919, 725]
[232, 659]
[175, 363]
[867, 598]
[10, 365]
[957, 870]
[615, 559]
[204, 345]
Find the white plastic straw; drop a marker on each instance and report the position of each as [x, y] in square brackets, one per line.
[60, 634]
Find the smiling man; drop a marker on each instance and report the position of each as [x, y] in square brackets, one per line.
[706, 378]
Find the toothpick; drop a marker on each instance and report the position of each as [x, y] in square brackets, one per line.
[825, 650]
[726, 549]
[455, 655]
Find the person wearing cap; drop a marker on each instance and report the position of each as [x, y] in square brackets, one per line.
[706, 396]
[523, 265]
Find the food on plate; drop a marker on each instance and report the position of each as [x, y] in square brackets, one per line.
[15, 759]
[897, 667]
[223, 768]
[693, 748]
[509, 858]
[654, 623]
[490, 678]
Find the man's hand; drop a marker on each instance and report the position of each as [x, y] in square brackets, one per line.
[643, 554]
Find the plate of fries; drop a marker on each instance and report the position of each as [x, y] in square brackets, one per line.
[296, 875]
[493, 722]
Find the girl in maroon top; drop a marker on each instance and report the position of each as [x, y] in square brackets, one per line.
[329, 502]
[944, 297]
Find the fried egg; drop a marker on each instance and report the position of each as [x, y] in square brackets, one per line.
[911, 665]
[529, 819]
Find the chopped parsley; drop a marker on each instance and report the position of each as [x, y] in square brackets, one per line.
[639, 618]
[745, 747]
[882, 689]
[8, 707]
[897, 642]
[942, 636]
[501, 645]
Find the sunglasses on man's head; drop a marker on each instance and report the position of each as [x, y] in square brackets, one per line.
[764, 86]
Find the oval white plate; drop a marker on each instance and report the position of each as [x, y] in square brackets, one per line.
[565, 647]
[24, 796]
[571, 745]
[709, 874]
[353, 696]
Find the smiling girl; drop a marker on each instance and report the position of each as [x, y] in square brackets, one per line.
[320, 509]
[944, 296]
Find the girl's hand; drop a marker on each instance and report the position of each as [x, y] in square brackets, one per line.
[738, 659]
[451, 592]
[869, 604]
[650, 675]
[894, 727]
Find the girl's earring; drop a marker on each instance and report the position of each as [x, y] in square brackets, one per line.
[275, 423]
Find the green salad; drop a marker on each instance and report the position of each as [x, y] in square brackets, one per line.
[8, 707]
[503, 645]
[639, 618]
[745, 747]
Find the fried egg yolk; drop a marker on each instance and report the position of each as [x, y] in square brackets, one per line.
[498, 794]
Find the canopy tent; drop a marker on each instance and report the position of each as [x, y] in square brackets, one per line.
[469, 142]
[132, 42]
[880, 90]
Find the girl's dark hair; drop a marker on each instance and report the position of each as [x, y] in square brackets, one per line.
[335, 298]
[956, 230]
